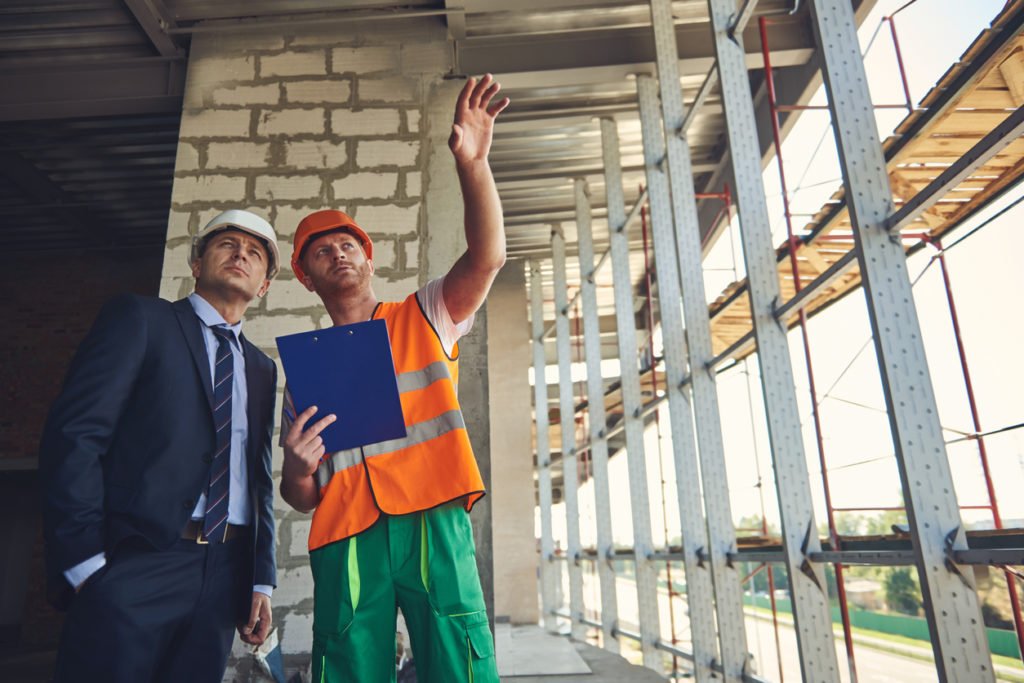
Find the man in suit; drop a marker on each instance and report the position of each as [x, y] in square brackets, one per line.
[155, 465]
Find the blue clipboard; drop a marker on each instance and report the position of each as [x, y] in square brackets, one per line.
[346, 370]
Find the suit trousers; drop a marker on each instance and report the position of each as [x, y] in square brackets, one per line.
[158, 615]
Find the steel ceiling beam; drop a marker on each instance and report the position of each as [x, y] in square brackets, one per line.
[153, 23]
[144, 86]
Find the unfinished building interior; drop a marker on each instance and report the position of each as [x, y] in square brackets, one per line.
[649, 366]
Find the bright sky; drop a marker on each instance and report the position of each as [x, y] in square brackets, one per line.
[986, 284]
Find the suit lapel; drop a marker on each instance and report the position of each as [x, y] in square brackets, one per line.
[254, 389]
[190, 327]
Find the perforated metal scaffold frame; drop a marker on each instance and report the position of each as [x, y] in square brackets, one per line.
[951, 604]
[548, 570]
[699, 588]
[811, 614]
[639, 499]
[567, 410]
[597, 430]
[720, 529]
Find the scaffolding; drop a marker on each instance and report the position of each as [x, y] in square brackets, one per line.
[862, 239]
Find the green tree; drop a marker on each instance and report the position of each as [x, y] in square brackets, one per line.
[902, 592]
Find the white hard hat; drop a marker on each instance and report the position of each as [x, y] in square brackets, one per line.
[246, 222]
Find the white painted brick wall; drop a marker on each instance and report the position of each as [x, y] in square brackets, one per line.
[412, 253]
[296, 632]
[412, 120]
[300, 537]
[364, 60]
[176, 262]
[374, 153]
[413, 184]
[288, 217]
[208, 188]
[276, 187]
[221, 69]
[294, 585]
[365, 186]
[187, 158]
[215, 123]
[333, 91]
[384, 254]
[388, 219]
[365, 122]
[294, 63]
[291, 122]
[237, 154]
[315, 154]
[388, 90]
[247, 95]
[289, 294]
[262, 330]
[177, 224]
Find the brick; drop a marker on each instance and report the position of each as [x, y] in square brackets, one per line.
[286, 295]
[177, 224]
[263, 329]
[364, 60]
[374, 153]
[176, 263]
[384, 254]
[394, 290]
[291, 122]
[208, 70]
[413, 184]
[300, 538]
[208, 188]
[297, 633]
[388, 90]
[394, 220]
[215, 123]
[237, 154]
[365, 185]
[288, 217]
[336, 92]
[295, 585]
[248, 94]
[412, 254]
[294, 63]
[412, 120]
[288, 187]
[186, 158]
[315, 154]
[365, 122]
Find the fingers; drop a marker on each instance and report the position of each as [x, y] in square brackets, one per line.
[265, 623]
[499, 106]
[254, 615]
[478, 92]
[488, 94]
[298, 436]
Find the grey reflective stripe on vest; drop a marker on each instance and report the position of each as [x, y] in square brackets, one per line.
[419, 432]
[337, 462]
[419, 379]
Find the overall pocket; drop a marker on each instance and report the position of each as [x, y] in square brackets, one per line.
[335, 586]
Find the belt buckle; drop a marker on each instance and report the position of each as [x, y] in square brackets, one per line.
[199, 538]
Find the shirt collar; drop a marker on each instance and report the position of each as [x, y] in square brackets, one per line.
[211, 318]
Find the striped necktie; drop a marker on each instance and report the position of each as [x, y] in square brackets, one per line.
[215, 524]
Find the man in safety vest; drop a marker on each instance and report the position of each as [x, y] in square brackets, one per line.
[391, 524]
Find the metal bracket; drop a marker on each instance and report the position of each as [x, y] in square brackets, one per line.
[701, 557]
[951, 564]
[806, 567]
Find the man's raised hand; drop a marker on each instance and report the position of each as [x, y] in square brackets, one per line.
[475, 112]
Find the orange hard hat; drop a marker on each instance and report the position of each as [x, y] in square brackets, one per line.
[319, 222]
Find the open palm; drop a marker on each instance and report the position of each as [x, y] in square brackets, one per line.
[473, 127]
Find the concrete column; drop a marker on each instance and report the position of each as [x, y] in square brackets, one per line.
[512, 497]
[351, 117]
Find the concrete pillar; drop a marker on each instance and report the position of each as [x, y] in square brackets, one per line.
[512, 497]
[352, 117]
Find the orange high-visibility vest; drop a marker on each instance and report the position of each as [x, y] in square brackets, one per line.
[432, 465]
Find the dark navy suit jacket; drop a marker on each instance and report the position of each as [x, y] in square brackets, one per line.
[127, 447]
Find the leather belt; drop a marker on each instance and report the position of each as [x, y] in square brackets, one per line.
[193, 531]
